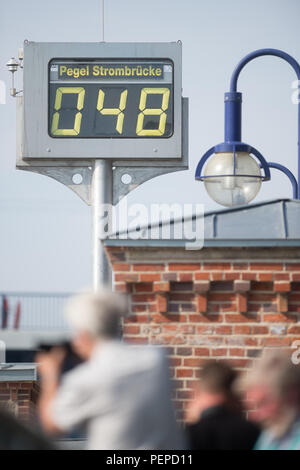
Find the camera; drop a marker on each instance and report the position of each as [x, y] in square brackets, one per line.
[71, 359]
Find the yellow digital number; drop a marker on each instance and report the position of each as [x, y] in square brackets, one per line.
[165, 92]
[113, 111]
[57, 105]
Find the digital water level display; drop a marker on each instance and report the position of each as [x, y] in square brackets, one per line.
[94, 98]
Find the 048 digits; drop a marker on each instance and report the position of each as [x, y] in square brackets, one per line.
[118, 112]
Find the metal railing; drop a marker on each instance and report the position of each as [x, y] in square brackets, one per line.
[32, 311]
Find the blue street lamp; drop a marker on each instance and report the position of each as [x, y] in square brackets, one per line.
[231, 174]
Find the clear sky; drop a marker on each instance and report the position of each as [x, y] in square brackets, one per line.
[45, 229]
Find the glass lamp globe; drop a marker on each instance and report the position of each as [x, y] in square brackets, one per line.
[228, 187]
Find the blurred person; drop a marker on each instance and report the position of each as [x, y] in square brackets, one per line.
[121, 392]
[214, 417]
[273, 386]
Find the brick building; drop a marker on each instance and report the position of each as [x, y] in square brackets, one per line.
[237, 295]
[19, 390]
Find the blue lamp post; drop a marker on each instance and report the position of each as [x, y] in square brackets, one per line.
[231, 174]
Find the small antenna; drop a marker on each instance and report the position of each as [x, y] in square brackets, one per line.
[103, 20]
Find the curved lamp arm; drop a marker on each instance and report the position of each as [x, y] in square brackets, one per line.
[288, 173]
[233, 87]
[259, 53]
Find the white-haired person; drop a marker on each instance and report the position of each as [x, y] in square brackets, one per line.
[121, 392]
[273, 386]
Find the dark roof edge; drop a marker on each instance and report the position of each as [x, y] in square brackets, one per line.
[151, 243]
[208, 214]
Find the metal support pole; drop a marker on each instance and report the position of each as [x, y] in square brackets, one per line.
[101, 201]
[298, 180]
[233, 117]
[102, 198]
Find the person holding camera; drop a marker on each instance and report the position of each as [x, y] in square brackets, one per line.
[120, 392]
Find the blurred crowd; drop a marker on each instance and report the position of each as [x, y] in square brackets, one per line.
[118, 396]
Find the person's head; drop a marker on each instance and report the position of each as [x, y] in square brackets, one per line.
[95, 317]
[273, 386]
[217, 378]
[216, 386]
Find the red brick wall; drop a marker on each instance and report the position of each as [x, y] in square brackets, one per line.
[20, 398]
[205, 310]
